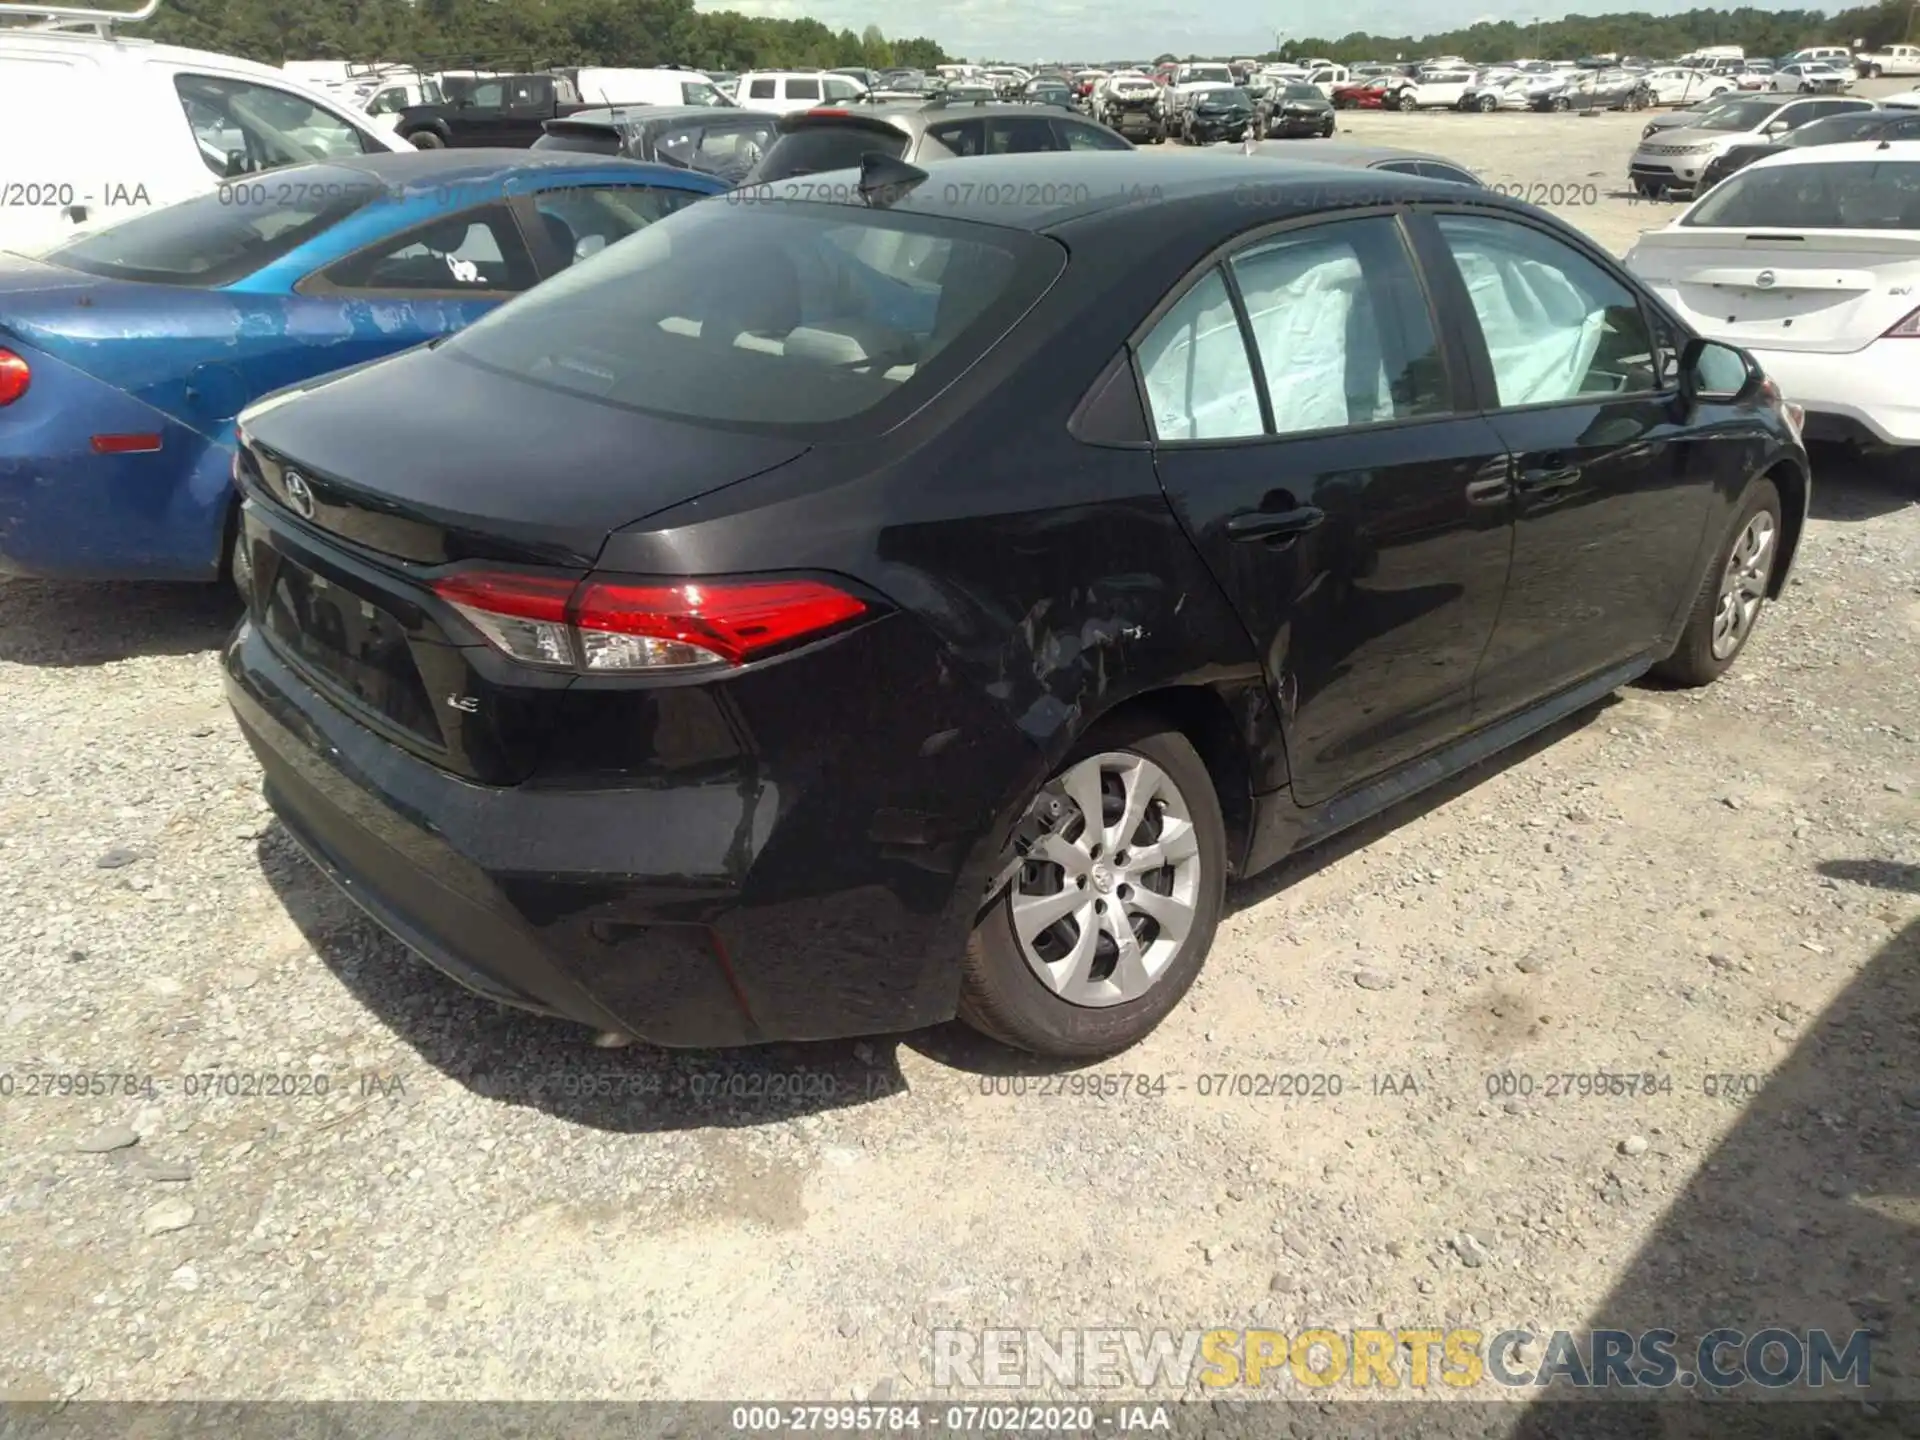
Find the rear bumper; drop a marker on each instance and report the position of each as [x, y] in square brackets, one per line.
[707, 913]
[1875, 390]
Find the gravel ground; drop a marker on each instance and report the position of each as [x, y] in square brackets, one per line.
[1683, 885]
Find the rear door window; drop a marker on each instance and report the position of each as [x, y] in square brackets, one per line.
[1020, 135]
[476, 251]
[1343, 331]
[803, 89]
[1075, 136]
[962, 138]
[1197, 371]
[760, 90]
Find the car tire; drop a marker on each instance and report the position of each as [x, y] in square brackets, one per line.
[1326, 131]
[1560, 102]
[1407, 103]
[1002, 994]
[1487, 104]
[1874, 72]
[1732, 593]
[427, 140]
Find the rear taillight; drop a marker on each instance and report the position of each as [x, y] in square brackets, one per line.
[15, 377]
[623, 627]
[827, 110]
[1907, 329]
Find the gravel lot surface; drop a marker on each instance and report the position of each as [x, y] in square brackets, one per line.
[1676, 885]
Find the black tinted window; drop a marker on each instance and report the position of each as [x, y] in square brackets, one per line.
[217, 238]
[1834, 129]
[775, 315]
[963, 138]
[815, 148]
[1020, 135]
[1090, 137]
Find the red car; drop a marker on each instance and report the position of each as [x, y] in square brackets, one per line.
[1362, 95]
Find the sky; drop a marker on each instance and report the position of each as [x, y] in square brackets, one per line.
[1141, 29]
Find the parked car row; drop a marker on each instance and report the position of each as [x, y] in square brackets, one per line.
[1684, 152]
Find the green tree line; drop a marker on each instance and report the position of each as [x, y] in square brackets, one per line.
[1758, 32]
[523, 32]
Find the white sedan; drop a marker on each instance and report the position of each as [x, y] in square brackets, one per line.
[1811, 260]
[1810, 77]
[1676, 85]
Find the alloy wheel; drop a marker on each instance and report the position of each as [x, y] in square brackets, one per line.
[1743, 587]
[1109, 880]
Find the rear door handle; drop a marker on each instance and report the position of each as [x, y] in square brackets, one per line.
[1544, 481]
[1274, 524]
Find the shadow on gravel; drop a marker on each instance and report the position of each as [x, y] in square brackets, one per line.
[56, 624]
[1806, 1216]
[1851, 486]
[552, 1065]
[1880, 874]
[1295, 868]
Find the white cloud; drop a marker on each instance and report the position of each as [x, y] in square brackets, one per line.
[1076, 29]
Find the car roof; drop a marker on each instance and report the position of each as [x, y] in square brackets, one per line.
[1040, 192]
[132, 50]
[1848, 151]
[634, 116]
[1340, 153]
[447, 168]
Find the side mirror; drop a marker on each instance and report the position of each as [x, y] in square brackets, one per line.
[589, 245]
[1716, 372]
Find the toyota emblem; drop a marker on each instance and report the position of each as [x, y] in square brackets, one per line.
[299, 494]
[1764, 279]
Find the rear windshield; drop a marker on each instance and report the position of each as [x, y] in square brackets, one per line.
[225, 235]
[1301, 92]
[1850, 195]
[1225, 98]
[814, 148]
[771, 316]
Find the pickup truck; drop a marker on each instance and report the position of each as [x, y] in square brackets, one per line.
[509, 110]
[1894, 60]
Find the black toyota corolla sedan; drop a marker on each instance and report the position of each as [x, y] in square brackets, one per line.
[894, 598]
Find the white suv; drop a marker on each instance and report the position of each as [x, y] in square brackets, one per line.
[117, 126]
[783, 91]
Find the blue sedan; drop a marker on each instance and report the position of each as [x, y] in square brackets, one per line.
[126, 353]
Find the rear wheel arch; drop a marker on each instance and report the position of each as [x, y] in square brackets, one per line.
[1204, 717]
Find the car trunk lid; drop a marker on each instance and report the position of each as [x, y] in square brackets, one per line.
[1822, 291]
[432, 459]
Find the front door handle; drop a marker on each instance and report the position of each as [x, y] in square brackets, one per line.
[1274, 524]
[1545, 481]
